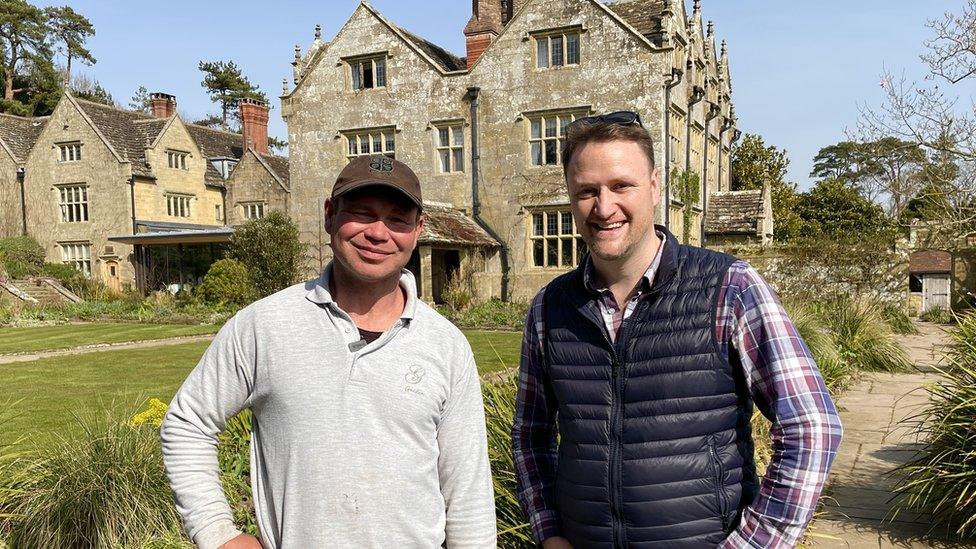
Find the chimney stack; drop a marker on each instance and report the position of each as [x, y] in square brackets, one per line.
[484, 26]
[254, 119]
[163, 104]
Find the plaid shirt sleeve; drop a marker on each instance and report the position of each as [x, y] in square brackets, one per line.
[787, 388]
[534, 432]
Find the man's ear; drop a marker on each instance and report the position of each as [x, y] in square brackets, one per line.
[329, 215]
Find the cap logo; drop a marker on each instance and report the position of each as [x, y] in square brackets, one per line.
[380, 163]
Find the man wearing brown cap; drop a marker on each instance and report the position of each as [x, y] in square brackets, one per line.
[368, 426]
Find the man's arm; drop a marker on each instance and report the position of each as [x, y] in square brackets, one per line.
[214, 391]
[462, 465]
[534, 432]
[789, 390]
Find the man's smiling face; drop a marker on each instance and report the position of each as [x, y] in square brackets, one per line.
[374, 231]
[613, 191]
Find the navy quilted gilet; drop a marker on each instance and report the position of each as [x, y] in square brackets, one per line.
[655, 444]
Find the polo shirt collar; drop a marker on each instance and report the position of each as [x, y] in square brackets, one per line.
[320, 291]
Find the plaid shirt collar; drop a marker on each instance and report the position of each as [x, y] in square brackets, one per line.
[592, 283]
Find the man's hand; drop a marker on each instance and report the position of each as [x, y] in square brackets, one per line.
[244, 541]
[556, 542]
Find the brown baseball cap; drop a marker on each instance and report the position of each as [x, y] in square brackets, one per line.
[377, 169]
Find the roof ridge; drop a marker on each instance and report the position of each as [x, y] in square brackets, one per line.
[26, 118]
[228, 132]
[114, 108]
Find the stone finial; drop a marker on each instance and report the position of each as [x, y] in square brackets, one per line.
[284, 86]
[711, 28]
[298, 54]
[318, 32]
[697, 8]
[725, 49]
[666, 9]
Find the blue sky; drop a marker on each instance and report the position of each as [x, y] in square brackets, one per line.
[800, 70]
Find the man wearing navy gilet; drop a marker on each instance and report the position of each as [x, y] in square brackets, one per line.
[647, 360]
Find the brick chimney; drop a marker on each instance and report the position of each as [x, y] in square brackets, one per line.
[484, 26]
[254, 119]
[163, 104]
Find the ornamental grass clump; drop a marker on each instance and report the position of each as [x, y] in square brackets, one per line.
[513, 530]
[103, 488]
[865, 341]
[898, 319]
[942, 479]
[836, 372]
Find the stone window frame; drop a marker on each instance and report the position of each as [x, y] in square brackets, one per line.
[254, 210]
[378, 73]
[453, 151]
[73, 201]
[77, 254]
[176, 160]
[69, 151]
[545, 42]
[368, 136]
[538, 136]
[547, 236]
[217, 213]
[179, 205]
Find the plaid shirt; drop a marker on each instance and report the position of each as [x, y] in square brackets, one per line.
[783, 380]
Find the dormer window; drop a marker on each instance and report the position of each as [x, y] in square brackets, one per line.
[176, 159]
[368, 72]
[69, 152]
[223, 165]
[557, 49]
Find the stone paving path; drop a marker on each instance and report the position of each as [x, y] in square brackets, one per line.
[878, 436]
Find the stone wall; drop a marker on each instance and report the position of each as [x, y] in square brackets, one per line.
[251, 182]
[107, 179]
[10, 219]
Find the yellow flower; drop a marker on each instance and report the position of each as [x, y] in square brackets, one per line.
[153, 414]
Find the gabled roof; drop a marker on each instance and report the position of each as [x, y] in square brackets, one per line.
[734, 212]
[449, 226]
[216, 144]
[445, 59]
[278, 166]
[123, 132]
[643, 15]
[19, 134]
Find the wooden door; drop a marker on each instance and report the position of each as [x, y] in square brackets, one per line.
[935, 291]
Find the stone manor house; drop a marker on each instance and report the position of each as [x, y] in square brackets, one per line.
[134, 199]
[146, 200]
[484, 132]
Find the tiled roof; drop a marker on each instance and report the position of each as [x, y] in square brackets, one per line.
[129, 132]
[643, 15]
[279, 165]
[447, 60]
[216, 143]
[446, 225]
[734, 212]
[20, 134]
[930, 261]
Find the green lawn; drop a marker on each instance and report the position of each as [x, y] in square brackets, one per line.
[42, 397]
[64, 336]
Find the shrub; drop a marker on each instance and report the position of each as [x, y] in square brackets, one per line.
[226, 282]
[863, 338]
[938, 315]
[942, 480]
[898, 319]
[513, 529]
[271, 251]
[489, 314]
[103, 488]
[21, 256]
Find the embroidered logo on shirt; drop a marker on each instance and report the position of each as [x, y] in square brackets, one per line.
[415, 374]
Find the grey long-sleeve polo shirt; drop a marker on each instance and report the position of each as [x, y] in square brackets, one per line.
[383, 446]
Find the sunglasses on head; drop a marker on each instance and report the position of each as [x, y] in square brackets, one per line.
[620, 118]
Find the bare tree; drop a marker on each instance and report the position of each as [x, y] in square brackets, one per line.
[931, 114]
